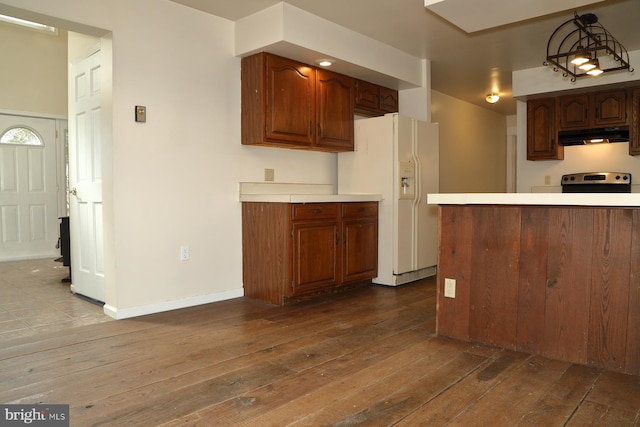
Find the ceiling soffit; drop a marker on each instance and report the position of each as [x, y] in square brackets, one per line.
[474, 15]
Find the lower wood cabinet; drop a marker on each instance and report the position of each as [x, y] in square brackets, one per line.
[293, 249]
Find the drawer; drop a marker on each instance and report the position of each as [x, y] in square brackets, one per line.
[359, 210]
[314, 211]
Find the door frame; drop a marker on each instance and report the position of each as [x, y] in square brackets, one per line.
[61, 125]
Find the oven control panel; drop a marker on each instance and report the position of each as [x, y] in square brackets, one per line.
[597, 178]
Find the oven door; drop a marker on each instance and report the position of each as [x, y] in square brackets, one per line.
[596, 188]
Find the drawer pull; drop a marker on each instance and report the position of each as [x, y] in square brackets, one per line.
[316, 211]
[361, 209]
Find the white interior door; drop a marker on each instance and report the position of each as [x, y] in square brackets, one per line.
[28, 188]
[85, 178]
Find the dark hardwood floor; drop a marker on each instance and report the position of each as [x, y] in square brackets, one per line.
[365, 357]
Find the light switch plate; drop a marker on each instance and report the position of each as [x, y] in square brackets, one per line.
[269, 175]
[141, 113]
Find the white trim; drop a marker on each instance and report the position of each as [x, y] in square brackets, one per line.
[623, 200]
[33, 114]
[124, 313]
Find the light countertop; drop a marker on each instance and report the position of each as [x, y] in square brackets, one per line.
[543, 199]
[298, 193]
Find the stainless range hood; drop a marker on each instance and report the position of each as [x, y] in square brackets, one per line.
[594, 136]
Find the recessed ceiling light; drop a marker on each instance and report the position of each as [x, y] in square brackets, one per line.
[325, 62]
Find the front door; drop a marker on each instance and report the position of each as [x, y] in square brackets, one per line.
[85, 178]
[28, 188]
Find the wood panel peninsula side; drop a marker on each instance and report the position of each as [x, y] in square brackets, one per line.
[550, 274]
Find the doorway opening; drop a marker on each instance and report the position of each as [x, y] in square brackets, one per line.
[23, 267]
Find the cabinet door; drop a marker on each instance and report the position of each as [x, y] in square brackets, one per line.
[360, 257]
[541, 131]
[360, 241]
[388, 100]
[334, 94]
[289, 102]
[574, 112]
[367, 95]
[634, 128]
[610, 108]
[316, 253]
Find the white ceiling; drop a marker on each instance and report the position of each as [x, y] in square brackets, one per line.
[464, 65]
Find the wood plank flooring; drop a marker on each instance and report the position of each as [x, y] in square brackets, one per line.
[365, 357]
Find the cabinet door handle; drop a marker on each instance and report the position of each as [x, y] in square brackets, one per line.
[337, 238]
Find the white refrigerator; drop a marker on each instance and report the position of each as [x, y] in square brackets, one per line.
[397, 157]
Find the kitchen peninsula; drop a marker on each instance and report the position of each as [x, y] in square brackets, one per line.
[550, 274]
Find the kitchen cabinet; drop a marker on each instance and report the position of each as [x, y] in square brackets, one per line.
[599, 109]
[542, 137]
[634, 128]
[360, 241]
[374, 100]
[289, 104]
[294, 249]
[610, 108]
[573, 111]
[335, 109]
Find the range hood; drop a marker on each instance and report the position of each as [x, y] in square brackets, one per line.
[594, 136]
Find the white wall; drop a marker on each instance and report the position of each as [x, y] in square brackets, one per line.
[174, 179]
[472, 146]
[34, 71]
[532, 175]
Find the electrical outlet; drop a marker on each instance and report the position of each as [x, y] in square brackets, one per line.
[450, 288]
[184, 253]
[269, 175]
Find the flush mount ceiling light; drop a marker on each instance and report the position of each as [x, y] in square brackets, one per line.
[583, 47]
[325, 62]
[29, 24]
[492, 98]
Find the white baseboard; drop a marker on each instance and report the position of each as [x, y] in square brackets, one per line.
[125, 313]
[411, 276]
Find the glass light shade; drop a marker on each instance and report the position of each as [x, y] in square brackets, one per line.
[595, 70]
[581, 57]
[588, 66]
[492, 98]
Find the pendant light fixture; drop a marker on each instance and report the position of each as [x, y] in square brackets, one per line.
[574, 46]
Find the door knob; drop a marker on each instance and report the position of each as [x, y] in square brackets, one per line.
[73, 191]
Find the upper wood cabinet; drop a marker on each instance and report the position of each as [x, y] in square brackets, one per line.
[335, 109]
[542, 137]
[573, 111]
[634, 127]
[598, 109]
[546, 117]
[610, 108]
[289, 104]
[375, 100]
